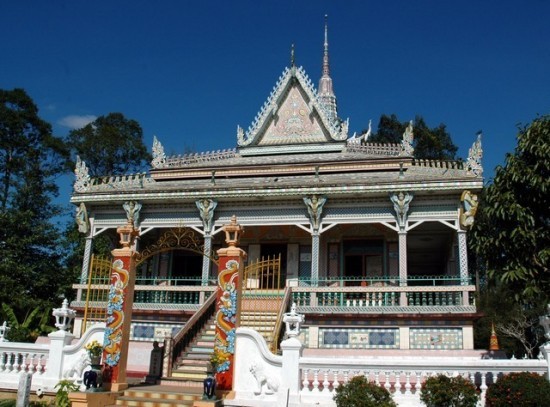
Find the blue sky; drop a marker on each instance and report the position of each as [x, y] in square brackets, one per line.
[190, 72]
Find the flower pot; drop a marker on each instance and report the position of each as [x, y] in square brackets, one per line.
[95, 360]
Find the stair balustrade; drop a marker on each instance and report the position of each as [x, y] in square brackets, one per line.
[174, 346]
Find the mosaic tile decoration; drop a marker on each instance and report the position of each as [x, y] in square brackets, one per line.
[373, 338]
[435, 338]
[148, 332]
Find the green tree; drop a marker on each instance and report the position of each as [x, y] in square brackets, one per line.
[429, 143]
[516, 324]
[30, 160]
[511, 236]
[34, 324]
[111, 145]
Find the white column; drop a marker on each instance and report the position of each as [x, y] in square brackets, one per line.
[403, 258]
[86, 260]
[85, 266]
[403, 273]
[206, 259]
[54, 365]
[315, 259]
[463, 257]
[291, 381]
[545, 349]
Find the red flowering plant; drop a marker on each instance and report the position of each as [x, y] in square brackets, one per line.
[519, 389]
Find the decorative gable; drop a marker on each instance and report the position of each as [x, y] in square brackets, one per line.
[292, 115]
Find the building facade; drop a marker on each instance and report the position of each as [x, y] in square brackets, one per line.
[371, 241]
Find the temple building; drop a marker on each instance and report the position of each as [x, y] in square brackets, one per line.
[366, 239]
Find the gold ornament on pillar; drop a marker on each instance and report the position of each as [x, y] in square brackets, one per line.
[127, 235]
[233, 232]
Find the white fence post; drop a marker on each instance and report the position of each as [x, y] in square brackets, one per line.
[54, 366]
[292, 352]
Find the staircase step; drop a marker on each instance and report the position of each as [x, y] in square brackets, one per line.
[198, 350]
[182, 382]
[159, 396]
[189, 375]
[205, 344]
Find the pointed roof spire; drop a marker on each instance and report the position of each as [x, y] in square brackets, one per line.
[326, 68]
[326, 94]
[292, 60]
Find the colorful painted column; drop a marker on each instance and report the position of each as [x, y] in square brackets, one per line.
[119, 311]
[228, 304]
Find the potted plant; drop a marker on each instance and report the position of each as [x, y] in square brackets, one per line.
[94, 349]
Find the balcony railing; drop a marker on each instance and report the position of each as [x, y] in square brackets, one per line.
[386, 281]
[349, 295]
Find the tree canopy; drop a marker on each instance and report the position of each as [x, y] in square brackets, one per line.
[512, 233]
[429, 143]
[111, 145]
[30, 159]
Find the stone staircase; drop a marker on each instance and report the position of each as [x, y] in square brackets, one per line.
[159, 396]
[185, 386]
[259, 312]
[193, 362]
[261, 321]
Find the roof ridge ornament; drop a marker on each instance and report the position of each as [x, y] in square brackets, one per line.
[475, 153]
[407, 142]
[159, 158]
[82, 182]
[326, 92]
[292, 56]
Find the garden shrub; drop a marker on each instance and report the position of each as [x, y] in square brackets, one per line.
[443, 391]
[359, 392]
[519, 389]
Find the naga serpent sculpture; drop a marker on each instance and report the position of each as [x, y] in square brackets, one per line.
[226, 316]
[115, 314]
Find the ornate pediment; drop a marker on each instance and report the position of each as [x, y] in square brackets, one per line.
[292, 115]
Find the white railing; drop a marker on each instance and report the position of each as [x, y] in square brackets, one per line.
[403, 376]
[22, 357]
[294, 380]
[48, 363]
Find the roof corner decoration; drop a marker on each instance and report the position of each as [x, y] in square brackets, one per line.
[159, 158]
[82, 181]
[362, 139]
[468, 209]
[407, 142]
[475, 153]
[82, 219]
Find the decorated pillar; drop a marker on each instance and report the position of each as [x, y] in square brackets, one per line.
[119, 310]
[206, 208]
[402, 257]
[315, 206]
[83, 223]
[463, 257]
[401, 202]
[85, 266]
[467, 212]
[206, 259]
[228, 306]
[315, 259]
